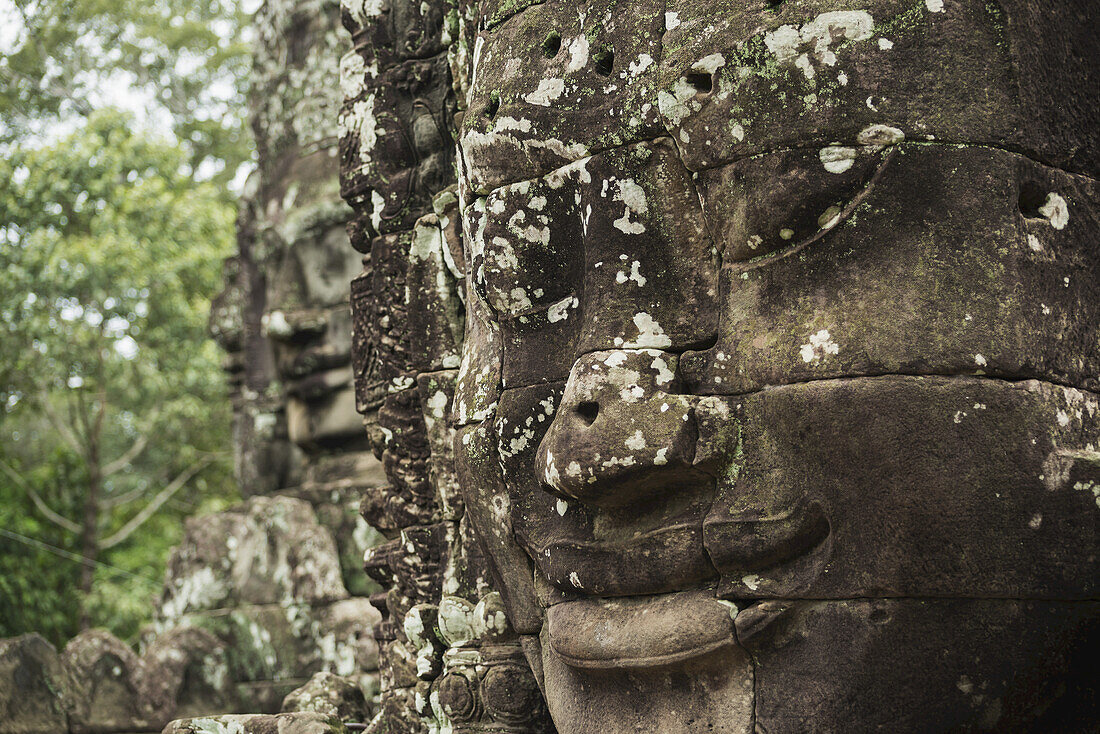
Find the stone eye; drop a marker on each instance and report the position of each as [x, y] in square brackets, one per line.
[605, 61]
[551, 45]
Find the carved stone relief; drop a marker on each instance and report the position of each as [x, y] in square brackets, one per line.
[777, 407]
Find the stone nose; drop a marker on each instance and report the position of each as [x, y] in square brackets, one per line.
[621, 433]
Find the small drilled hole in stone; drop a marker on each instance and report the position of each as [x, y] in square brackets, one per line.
[773, 4]
[588, 412]
[551, 45]
[492, 106]
[1031, 198]
[605, 62]
[703, 83]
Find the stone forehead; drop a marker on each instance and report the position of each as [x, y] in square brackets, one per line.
[730, 80]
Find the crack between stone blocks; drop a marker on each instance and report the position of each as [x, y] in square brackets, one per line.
[817, 145]
[946, 375]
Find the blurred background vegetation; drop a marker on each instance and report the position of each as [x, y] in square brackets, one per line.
[122, 144]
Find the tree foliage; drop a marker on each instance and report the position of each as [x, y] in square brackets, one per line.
[109, 254]
[185, 61]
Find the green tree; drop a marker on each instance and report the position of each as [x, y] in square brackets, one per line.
[185, 61]
[114, 421]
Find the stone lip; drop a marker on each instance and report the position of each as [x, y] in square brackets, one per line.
[640, 632]
[613, 568]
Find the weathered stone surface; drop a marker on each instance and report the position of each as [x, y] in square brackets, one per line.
[292, 723]
[330, 695]
[745, 79]
[270, 551]
[395, 141]
[410, 311]
[909, 487]
[559, 82]
[35, 693]
[106, 691]
[185, 672]
[962, 665]
[1019, 300]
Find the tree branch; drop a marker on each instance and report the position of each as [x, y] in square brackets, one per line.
[134, 451]
[148, 511]
[64, 430]
[112, 502]
[52, 516]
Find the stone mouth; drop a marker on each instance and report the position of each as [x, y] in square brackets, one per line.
[640, 632]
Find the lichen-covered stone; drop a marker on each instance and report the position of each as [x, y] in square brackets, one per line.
[106, 691]
[330, 695]
[35, 691]
[290, 723]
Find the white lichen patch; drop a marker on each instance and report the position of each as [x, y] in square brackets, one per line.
[980, 360]
[575, 580]
[934, 6]
[664, 374]
[548, 91]
[559, 311]
[672, 20]
[1056, 211]
[837, 158]
[378, 205]
[636, 442]
[1034, 244]
[562, 506]
[818, 346]
[578, 49]
[633, 197]
[812, 42]
[885, 44]
[752, 581]
[679, 103]
[437, 404]
[353, 71]
[830, 217]
[709, 64]
[635, 275]
[1089, 486]
[427, 241]
[638, 67]
[650, 333]
[877, 137]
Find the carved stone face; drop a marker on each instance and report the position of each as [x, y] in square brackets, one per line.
[780, 369]
[308, 320]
